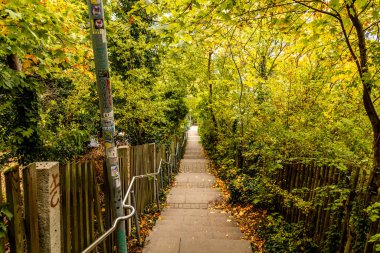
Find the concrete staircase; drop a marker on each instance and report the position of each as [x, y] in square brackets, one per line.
[188, 224]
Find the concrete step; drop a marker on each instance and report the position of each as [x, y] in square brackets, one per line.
[199, 219]
[199, 222]
[193, 212]
[194, 178]
[163, 245]
[192, 195]
[194, 184]
[196, 166]
[195, 151]
[200, 191]
[217, 217]
[174, 205]
[194, 145]
[189, 245]
[195, 161]
[199, 228]
[193, 156]
[193, 169]
[157, 235]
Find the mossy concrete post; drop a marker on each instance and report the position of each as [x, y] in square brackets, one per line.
[49, 206]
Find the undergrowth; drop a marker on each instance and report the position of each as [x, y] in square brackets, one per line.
[267, 232]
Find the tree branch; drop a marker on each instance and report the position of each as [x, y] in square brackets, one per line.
[317, 10]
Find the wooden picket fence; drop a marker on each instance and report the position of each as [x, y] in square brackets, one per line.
[83, 219]
[85, 199]
[319, 196]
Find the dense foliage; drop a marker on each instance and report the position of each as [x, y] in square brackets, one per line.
[285, 82]
[269, 82]
[49, 103]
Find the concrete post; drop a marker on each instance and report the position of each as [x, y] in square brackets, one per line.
[49, 207]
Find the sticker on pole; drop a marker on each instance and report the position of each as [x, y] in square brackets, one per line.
[95, 1]
[99, 23]
[105, 92]
[117, 182]
[96, 11]
[115, 175]
[108, 115]
[108, 136]
[103, 33]
[114, 170]
[104, 73]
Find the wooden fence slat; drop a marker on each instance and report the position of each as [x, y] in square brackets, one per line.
[30, 208]
[99, 216]
[316, 180]
[74, 220]
[310, 181]
[289, 178]
[2, 240]
[297, 175]
[16, 230]
[63, 190]
[306, 179]
[327, 217]
[108, 201]
[67, 197]
[144, 182]
[91, 199]
[87, 219]
[80, 205]
[147, 188]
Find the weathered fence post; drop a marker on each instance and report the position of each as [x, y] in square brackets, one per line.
[30, 208]
[49, 206]
[14, 199]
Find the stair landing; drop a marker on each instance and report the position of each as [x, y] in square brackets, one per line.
[188, 224]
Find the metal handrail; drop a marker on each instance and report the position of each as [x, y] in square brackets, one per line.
[125, 205]
[132, 208]
[141, 176]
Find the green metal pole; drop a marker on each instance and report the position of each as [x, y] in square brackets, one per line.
[99, 44]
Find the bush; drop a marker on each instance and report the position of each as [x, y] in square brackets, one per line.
[286, 237]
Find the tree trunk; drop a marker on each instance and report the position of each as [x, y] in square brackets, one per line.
[29, 148]
[362, 65]
[210, 90]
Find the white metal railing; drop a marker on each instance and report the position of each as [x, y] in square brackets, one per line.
[132, 208]
[125, 205]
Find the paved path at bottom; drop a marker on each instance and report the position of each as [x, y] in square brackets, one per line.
[189, 224]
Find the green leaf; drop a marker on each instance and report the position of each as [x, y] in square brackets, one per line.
[28, 132]
[375, 238]
[14, 15]
[7, 213]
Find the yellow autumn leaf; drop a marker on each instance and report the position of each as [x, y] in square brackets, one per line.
[4, 30]
[32, 57]
[2, 4]
[26, 64]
